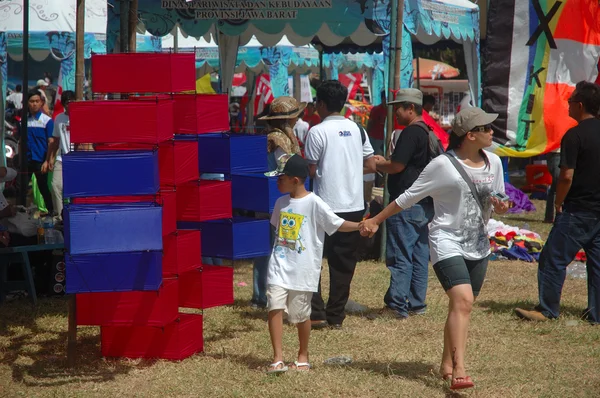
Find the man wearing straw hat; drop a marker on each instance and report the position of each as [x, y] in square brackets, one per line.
[338, 153]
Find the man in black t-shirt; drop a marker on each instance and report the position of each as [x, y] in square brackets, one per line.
[577, 223]
[407, 244]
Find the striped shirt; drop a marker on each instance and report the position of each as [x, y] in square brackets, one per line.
[39, 129]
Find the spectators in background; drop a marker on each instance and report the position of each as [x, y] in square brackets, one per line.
[16, 97]
[376, 125]
[311, 116]
[39, 135]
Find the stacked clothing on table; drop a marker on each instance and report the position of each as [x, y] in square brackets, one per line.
[513, 243]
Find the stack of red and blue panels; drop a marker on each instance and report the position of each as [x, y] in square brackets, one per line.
[125, 256]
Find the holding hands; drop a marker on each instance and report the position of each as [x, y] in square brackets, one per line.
[368, 227]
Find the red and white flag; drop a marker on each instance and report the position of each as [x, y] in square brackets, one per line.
[58, 107]
[264, 94]
[352, 82]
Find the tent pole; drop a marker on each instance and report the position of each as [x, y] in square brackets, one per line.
[79, 45]
[79, 73]
[133, 11]
[24, 181]
[176, 41]
[124, 27]
[321, 66]
[395, 60]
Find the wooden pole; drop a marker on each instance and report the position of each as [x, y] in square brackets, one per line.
[79, 45]
[133, 19]
[23, 180]
[124, 26]
[79, 76]
[396, 30]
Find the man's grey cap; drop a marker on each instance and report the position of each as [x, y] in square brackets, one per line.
[411, 95]
[469, 118]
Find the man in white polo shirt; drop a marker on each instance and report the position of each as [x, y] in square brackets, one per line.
[339, 153]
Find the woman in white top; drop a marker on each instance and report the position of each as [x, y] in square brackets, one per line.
[458, 237]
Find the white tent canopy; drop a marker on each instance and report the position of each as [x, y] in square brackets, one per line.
[295, 59]
[52, 15]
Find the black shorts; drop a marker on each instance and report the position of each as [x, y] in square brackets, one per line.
[455, 271]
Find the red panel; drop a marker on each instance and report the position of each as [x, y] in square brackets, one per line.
[211, 286]
[186, 161]
[130, 308]
[182, 252]
[175, 341]
[144, 73]
[204, 200]
[148, 122]
[202, 113]
[167, 199]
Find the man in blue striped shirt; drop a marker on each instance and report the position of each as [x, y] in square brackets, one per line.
[39, 134]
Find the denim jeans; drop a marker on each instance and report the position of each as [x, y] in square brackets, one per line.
[553, 161]
[572, 231]
[407, 256]
[259, 276]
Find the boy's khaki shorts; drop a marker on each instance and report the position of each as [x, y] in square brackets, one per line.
[296, 304]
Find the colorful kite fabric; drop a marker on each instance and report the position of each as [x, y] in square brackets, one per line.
[530, 74]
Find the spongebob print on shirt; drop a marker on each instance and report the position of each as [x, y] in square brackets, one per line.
[289, 231]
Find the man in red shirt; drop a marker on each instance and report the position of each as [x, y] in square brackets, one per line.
[376, 125]
[311, 116]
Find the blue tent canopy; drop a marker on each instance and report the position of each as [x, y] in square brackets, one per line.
[234, 23]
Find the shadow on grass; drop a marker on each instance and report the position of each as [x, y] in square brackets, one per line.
[509, 307]
[37, 354]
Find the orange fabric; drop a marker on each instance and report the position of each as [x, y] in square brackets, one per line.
[556, 111]
[579, 21]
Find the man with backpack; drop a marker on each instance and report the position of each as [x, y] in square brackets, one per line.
[407, 249]
[338, 153]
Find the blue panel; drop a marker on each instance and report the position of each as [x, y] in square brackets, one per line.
[248, 153]
[110, 173]
[116, 272]
[255, 191]
[228, 153]
[235, 239]
[112, 228]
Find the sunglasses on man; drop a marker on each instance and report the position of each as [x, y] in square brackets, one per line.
[482, 129]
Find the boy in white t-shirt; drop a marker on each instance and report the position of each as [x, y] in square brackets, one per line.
[301, 220]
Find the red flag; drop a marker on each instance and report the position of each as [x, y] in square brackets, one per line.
[352, 82]
[264, 94]
[58, 107]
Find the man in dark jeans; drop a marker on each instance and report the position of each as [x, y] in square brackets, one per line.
[577, 223]
[39, 134]
[338, 153]
[407, 249]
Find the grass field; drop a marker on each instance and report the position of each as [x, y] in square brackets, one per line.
[506, 357]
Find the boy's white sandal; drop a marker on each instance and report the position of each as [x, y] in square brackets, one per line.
[273, 368]
[301, 366]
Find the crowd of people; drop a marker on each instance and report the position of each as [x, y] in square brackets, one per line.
[441, 202]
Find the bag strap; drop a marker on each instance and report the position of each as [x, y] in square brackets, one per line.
[363, 133]
[467, 179]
